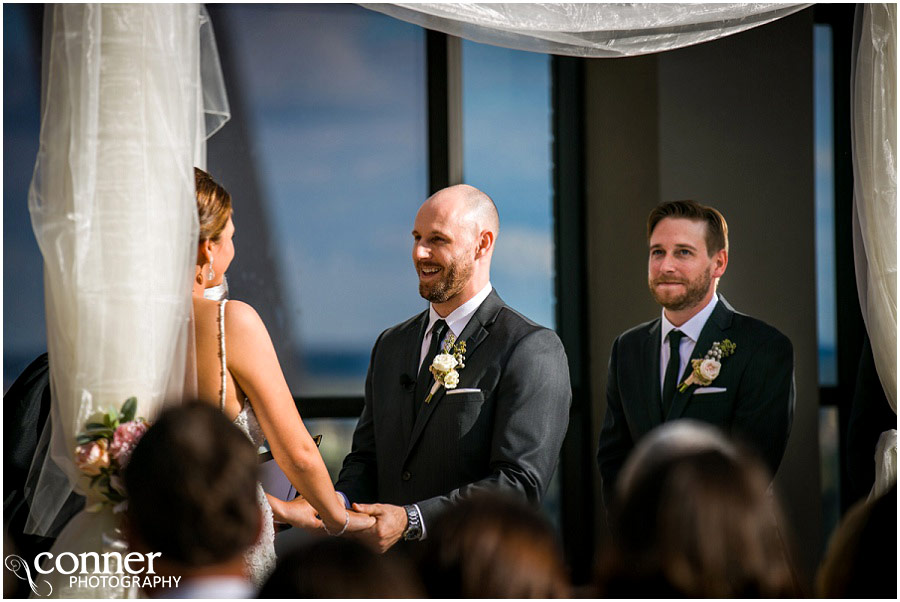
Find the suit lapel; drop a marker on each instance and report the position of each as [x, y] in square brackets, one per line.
[473, 334]
[714, 330]
[650, 359]
[413, 346]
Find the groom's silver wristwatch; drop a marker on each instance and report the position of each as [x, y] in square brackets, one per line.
[414, 524]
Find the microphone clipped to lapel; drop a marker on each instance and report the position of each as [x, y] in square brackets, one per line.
[407, 382]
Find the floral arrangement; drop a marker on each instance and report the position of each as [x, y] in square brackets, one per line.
[104, 449]
[707, 369]
[446, 365]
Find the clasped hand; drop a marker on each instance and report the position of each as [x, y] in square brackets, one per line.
[300, 513]
[378, 525]
[390, 523]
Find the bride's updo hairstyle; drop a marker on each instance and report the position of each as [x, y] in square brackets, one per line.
[213, 206]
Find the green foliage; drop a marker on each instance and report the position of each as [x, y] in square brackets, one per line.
[129, 408]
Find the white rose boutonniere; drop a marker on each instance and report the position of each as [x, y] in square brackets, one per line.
[446, 366]
[707, 369]
[443, 363]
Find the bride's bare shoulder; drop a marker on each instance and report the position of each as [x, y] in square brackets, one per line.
[242, 320]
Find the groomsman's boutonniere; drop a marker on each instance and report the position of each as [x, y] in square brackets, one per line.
[707, 369]
[445, 365]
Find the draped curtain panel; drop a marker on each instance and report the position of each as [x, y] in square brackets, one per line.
[589, 30]
[124, 119]
[874, 108]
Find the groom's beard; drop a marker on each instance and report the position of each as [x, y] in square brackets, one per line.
[454, 278]
[694, 291]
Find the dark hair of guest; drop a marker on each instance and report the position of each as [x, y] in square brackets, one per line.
[861, 561]
[213, 206]
[701, 525]
[492, 546]
[341, 568]
[191, 485]
[716, 227]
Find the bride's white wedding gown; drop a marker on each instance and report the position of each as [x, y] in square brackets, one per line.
[261, 557]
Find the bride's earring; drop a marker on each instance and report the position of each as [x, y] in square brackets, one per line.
[210, 274]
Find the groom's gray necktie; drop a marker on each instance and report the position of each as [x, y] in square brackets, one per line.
[425, 379]
[672, 371]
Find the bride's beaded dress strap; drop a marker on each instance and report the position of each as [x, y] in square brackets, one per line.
[260, 558]
[223, 365]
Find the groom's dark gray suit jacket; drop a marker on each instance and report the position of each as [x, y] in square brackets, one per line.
[507, 434]
[756, 406]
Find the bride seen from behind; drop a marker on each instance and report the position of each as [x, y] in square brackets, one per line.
[256, 396]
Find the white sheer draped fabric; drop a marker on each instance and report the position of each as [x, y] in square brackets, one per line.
[885, 464]
[589, 30]
[113, 211]
[874, 106]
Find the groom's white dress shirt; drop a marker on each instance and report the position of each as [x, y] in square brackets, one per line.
[456, 321]
[691, 329]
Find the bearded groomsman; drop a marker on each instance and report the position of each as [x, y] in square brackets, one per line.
[740, 376]
[499, 422]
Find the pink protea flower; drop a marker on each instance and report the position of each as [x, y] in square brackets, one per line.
[125, 438]
[92, 457]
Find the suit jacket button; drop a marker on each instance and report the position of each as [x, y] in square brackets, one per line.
[406, 475]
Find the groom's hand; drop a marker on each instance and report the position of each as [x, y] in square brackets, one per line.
[390, 523]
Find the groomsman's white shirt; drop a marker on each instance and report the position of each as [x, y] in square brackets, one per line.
[456, 321]
[691, 329]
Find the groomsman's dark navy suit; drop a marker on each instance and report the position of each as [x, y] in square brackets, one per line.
[501, 428]
[756, 405]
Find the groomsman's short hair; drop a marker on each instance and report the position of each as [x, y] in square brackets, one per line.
[716, 227]
[191, 485]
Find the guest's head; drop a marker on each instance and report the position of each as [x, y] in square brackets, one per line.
[191, 485]
[669, 442]
[492, 546]
[695, 521]
[341, 568]
[861, 561]
[688, 254]
[215, 249]
[453, 241]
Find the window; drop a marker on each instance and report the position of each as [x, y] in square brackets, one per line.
[829, 428]
[331, 100]
[24, 327]
[507, 146]
[507, 153]
[824, 195]
[329, 126]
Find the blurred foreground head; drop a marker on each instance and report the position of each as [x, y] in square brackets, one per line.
[694, 517]
[861, 561]
[341, 568]
[191, 485]
[493, 546]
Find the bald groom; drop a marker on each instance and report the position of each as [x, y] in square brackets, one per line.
[501, 427]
